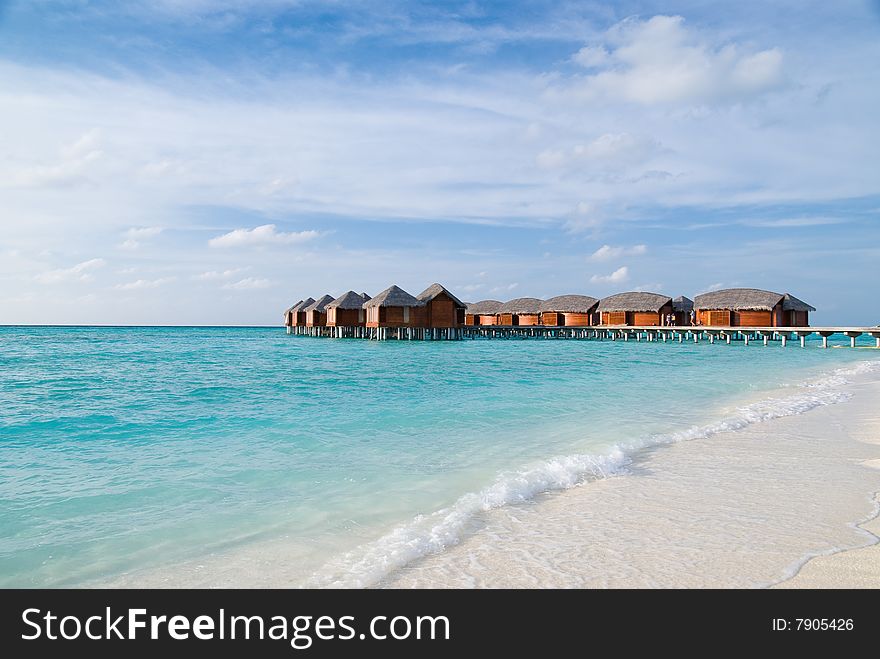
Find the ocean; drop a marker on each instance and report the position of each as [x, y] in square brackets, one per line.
[134, 451]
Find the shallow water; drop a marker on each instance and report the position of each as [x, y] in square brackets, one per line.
[131, 449]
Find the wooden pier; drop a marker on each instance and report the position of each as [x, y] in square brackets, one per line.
[711, 334]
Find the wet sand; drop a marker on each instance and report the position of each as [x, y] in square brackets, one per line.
[747, 508]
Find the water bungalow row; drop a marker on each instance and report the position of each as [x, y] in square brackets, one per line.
[436, 313]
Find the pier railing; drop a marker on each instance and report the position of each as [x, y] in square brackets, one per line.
[675, 333]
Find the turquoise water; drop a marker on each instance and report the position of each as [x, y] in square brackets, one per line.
[130, 448]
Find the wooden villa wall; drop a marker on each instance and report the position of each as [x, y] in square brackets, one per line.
[749, 318]
[345, 317]
[396, 317]
[752, 319]
[645, 318]
[552, 319]
[797, 318]
[577, 319]
[298, 319]
[506, 319]
[470, 320]
[316, 319]
[487, 320]
[712, 317]
[441, 312]
[613, 318]
[528, 319]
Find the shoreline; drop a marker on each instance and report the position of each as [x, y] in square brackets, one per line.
[549, 523]
[858, 567]
[760, 506]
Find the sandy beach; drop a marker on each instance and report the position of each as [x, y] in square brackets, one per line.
[783, 502]
[790, 501]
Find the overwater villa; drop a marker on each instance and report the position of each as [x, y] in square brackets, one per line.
[751, 307]
[394, 307]
[681, 308]
[741, 314]
[442, 308]
[288, 313]
[635, 308]
[296, 315]
[315, 312]
[569, 311]
[522, 311]
[347, 310]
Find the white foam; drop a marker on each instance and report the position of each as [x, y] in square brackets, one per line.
[428, 534]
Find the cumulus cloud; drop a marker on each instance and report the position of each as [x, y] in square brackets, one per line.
[660, 60]
[590, 56]
[79, 272]
[136, 236]
[265, 234]
[504, 289]
[248, 284]
[616, 277]
[142, 284]
[607, 252]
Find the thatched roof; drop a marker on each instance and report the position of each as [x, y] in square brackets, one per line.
[349, 300]
[570, 304]
[289, 309]
[523, 305]
[320, 304]
[682, 304]
[302, 304]
[739, 299]
[436, 289]
[484, 307]
[393, 296]
[791, 303]
[634, 301]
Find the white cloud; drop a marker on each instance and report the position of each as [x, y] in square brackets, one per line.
[262, 235]
[607, 152]
[248, 284]
[607, 252]
[69, 167]
[142, 284]
[591, 56]
[79, 272]
[219, 275]
[504, 289]
[659, 60]
[794, 222]
[551, 158]
[616, 277]
[712, 287]
[136, 236]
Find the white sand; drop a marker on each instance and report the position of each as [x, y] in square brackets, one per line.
[740, 509]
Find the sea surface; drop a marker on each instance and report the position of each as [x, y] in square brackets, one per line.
[129, 450]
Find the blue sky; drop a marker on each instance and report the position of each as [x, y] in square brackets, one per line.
[196, 162]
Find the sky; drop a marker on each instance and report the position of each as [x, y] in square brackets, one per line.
[214, 162]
